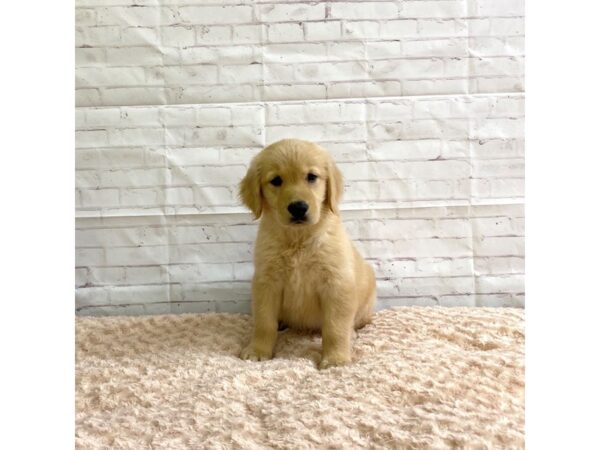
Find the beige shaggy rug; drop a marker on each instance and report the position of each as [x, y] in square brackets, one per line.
[420, 378]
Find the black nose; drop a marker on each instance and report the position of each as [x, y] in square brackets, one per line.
[298, 209]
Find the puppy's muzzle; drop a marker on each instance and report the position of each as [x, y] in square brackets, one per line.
[298, 211]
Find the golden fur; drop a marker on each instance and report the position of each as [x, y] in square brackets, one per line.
[307, 275]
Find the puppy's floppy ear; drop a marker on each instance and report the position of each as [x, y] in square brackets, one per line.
[250, 192]
[335, 187]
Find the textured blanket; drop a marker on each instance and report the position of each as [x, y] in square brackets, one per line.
[420, 378]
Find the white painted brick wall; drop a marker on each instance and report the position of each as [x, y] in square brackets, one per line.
[171, 54]
[420, 102]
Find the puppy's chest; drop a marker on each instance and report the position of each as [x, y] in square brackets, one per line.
[302, 277]
[300, 270]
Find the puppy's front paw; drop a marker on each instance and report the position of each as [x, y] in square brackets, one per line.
[253, 354]
[333, 361]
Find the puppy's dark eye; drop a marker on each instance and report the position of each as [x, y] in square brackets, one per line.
[311, 178]
[276, 181]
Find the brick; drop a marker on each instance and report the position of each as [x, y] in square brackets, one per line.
[441, 28]
[395, 269]
[316, 112]
[490, 284]
[134, 177]
[383, 50]
[250, 34]
[364, 89]
[91, 296]
[97, 36]
[285, 32]
[295, 53]
[499, 246]
[89, 57]
[323, 31]
[192, 74]
[207, 116]
[215, 175]
[193, 156]
[434, 9]
[361, 29]
[136, 136]
[87, 179]
[436, 286]
[241, 74]
[133, 96]
[396, 29]
[144, 255]
[318, 132]
[479, 27]
[140, 197]
[205, 253]
[85, 16]
[99, 197]
[129, 236]
[178, 196]
[218, 55]
[146, 275]
[106, 276]
[145, 15]
[406, 150]
[178, 116]
[500, 66]
[80, 277]
[118, 310]
[213, 34]
[290, 12]
[507, 188]
[412, 248]
[87, 77]
[107, 158]
[507, 26]
[134, 56]
[436, 47]
[444, 266]
[505, 8]
[408, 69]
[87, 97]
[90, 138]
[211, 94]
[508, 106]
[501, 84]
[123, 295]
[97, 117]
[213, 15]
[364, 10]
[88, 257]
[194, 273]
[499, 265]
[344, 51]
[431, 87]
[493, 226]
[140, 36]
[501, 168]
[453, 300]
[178, 36]
[275, 92]
[515, 45]
[440, 189]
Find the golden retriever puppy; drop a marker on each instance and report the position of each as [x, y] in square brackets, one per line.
[308, 274]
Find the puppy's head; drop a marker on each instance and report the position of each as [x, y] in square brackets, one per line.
[293, 180]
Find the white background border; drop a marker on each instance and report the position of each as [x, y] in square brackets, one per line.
[562, 226]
